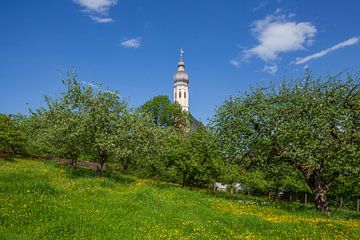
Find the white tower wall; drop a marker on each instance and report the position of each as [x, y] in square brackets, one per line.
[181, 85]
[181, 95]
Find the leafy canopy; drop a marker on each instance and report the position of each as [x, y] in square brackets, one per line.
[311, 124]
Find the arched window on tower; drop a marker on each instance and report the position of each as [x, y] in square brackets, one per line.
[184, 94]
[175, 94]
[179, 94]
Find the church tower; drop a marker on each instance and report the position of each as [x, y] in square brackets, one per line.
[181, 85]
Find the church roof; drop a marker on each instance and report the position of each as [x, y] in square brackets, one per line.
[194, 123]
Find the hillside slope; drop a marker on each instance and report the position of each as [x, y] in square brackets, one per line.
[44, 200]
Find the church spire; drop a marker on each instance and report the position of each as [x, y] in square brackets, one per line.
[181, 81]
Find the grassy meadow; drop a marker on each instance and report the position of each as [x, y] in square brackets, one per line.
[46, 200]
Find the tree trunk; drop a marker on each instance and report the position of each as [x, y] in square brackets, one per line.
[320, 189]
[341, 202]
[103, 160]
[317, 183]
[126, 166]
[321, 201]
[276, 195]
[73, 161]
[183, 179]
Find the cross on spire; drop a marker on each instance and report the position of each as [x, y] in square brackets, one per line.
[181, 54]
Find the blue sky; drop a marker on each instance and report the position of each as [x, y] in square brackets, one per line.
[133, 45]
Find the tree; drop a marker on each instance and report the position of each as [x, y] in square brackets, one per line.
[12, 138]
[60, 128]
[137, 141]
[84, 120]
[311, 125]
[64, 129]
[271, 179]
[102, 112]
[194, 156]
[166, 114]
[347, 188]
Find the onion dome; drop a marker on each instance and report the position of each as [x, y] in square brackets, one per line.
[181, 75]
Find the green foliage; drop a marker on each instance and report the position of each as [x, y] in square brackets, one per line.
[93, 124]
[166, 114]
[195, 156]
[347, 188]
[103, 113]
[138, 142]
[270, 178]
[12, 138]
[82, 122]
[310, 124]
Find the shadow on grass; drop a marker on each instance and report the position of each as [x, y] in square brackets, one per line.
[71, 172]
[118, 178]
[347, 214]
[236, 196]
[79, 172]
[8, 159]
[164, 185]
[25, 181]
[295, 208]
[83, 172]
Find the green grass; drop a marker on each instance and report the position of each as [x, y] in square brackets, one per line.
[43, 200]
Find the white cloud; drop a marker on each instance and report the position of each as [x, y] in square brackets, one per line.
[101, 19]
[99, 6]
[235, 63]
[93, 85]
[278, 34]
[278, 10]
[97, 9]
[131, 43]
[270, 68]
[349, 42]
[261, 5]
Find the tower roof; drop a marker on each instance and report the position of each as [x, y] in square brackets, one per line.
[181, 75]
